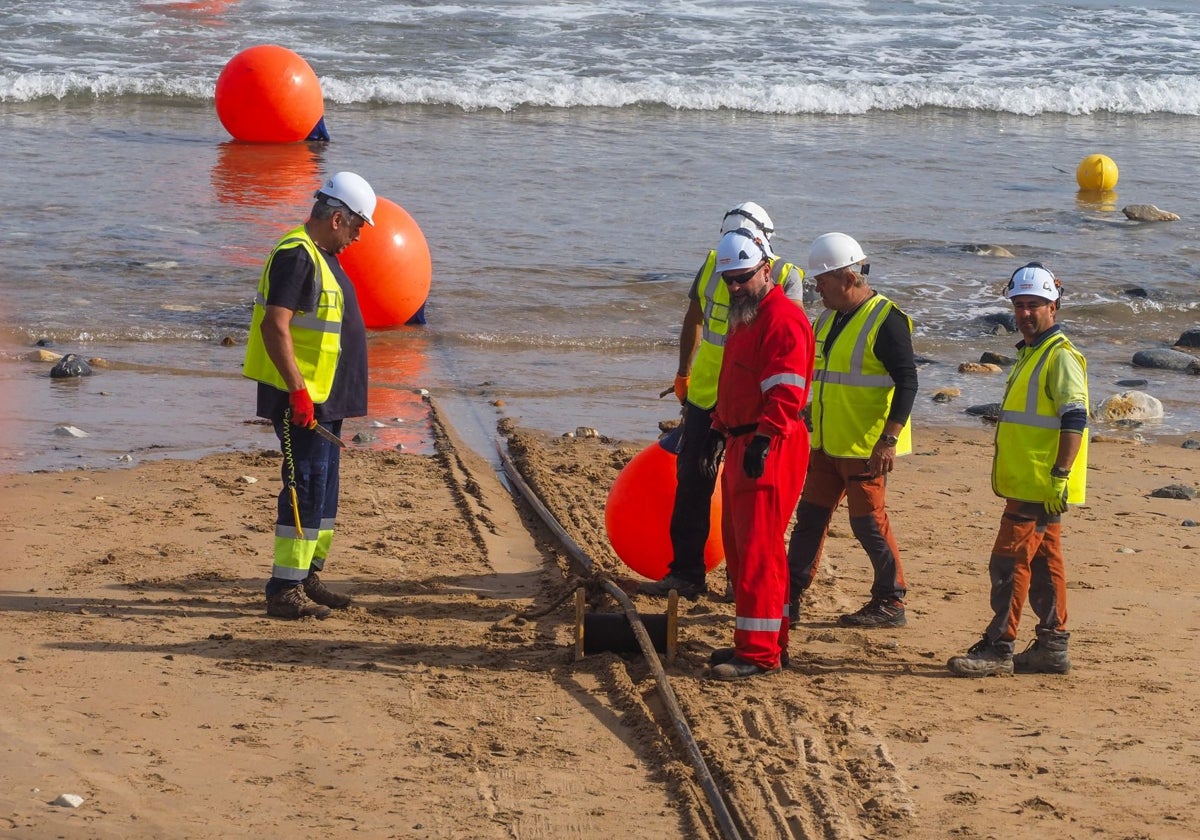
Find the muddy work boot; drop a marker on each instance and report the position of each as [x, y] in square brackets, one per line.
[739, 669]
[291, 602]
[982, 659]
[878, 612]
[722, 655]
[662, 588]
[1047, 654]
[323, 595]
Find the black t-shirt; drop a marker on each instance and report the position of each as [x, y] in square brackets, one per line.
[293, 284]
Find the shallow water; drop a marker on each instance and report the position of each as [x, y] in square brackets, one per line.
[564, 236]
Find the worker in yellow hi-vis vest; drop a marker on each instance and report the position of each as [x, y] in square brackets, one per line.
[307, 349]
[864, 385]
[1040, 467]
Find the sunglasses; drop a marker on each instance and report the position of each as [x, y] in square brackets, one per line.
[745, 277]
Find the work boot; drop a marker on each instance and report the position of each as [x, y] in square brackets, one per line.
[291, 602]
[662, 588]
[739, 669]
[982, 659]
[722, 655]
[1047, 654]
[322, 594]
[878, 612]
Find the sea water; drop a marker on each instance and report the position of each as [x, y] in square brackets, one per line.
[569, 165]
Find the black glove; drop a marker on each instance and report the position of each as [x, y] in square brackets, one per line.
[755, 459]
[714, 452]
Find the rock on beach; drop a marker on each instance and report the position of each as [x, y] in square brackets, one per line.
[1129, 405]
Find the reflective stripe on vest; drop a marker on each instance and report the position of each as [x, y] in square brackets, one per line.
[852, 390]
[714, 328]
[316, 335]
[1027, 433]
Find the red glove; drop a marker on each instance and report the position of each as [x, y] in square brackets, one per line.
[681, 387]
[302, 408]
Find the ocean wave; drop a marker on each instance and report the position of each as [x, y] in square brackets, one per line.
[1166, 95]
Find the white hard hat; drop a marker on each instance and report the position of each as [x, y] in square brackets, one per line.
[831, 251]
[1033, 279]
[748, 215]
[740, 249]
[352, 191]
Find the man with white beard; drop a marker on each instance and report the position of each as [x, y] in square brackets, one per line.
[759, 430]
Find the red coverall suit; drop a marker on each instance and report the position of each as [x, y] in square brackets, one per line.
[763, 387]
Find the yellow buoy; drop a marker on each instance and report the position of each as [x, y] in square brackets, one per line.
[1096, 172]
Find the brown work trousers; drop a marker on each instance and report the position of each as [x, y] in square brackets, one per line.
[830, 480]
[1027, 562]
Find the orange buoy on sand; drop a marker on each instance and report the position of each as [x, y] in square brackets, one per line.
[390, 267]
[268, 94]
[637, 515]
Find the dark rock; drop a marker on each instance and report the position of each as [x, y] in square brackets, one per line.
[43, 342]
[988, 411]
[1133, 383]
[1163, 359]
[1136, 292]
[1175, 491]
[1191, 443]
[990, 358]
[998, 319]
[1189, 338]
[1188, 523]
[70, 365]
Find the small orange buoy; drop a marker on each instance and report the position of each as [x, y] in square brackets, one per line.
[268, 94]
[637, 515]
[390, 267]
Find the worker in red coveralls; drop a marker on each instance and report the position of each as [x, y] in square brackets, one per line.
[760, 434]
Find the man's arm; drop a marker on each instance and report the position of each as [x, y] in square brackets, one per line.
[278, 342]
[893, 346]
[689, 336]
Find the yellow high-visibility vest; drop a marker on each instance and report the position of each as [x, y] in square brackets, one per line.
[316, 336]
[852, 390]
[1028, 431]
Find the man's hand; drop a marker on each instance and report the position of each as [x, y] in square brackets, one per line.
[302, 408]
[754, 462]
[714, 452]
[1056, 496]
[681, 387]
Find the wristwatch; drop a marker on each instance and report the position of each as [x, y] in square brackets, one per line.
[889, 440]
[1057, 472]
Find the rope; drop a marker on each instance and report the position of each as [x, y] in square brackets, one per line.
[290, 460]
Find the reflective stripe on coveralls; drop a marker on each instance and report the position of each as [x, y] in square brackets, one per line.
[852, 390]
[1028, 431]
[714, 304]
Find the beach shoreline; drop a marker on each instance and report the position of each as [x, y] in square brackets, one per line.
[438, 706]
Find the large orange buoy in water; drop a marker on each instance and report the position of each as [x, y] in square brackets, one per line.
[268, 94]
[390, 267]
[637, 515]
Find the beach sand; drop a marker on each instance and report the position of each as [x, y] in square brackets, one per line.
[141, 673]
